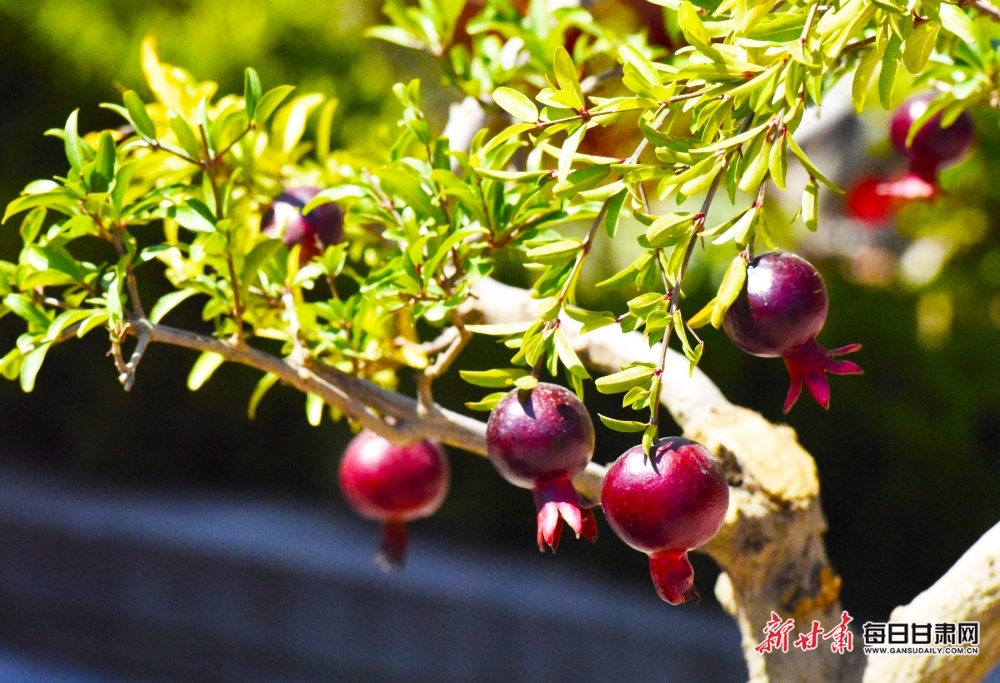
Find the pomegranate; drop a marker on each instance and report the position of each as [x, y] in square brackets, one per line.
[538, 440]
[394, 484]
[779, 312]
[932, 147]
[666, 505]
[315, 231]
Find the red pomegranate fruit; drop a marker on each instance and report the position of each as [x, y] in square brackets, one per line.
[538, 440]
[666, 505]
[932, 147]
[779, 312]
[393, 484]
[315, 231]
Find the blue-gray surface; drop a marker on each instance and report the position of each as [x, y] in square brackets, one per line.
[201, 587]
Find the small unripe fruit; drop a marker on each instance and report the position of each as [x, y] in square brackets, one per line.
[320, 228]
[393, 484]
[539, 440]
[665, 505]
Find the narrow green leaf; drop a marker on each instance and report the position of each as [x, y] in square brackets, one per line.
[104, 164]
[185, 134]
[890, 66]
[526, 383]
[74, 145]
[778, 162]
[567, 78]
[810, 205]
[626, 426]
[695, 32]
[634, 376]
[257, 257]
[23, 308]
[615, 205]
[144, 125]
[568, 356]
[169, 302]
[30, 366]
[516, 104]
[957, 22]
[314, 409]
[919, 46]
[669, 229]
[493, 379]
[487, 403]
[207, 363]
[555, 252]
[729, 290]
[810, 167]
[251, 91]
[863, 77]
[648, 436]
[263, 386]
[270, 101]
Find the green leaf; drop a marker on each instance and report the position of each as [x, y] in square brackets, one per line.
[257, 257]
[568, 356]
[207, 363]
[957, 22]
[493, 379]
[251, 91]
[169, 302]
[24, 308]
[729, 290]
[555, 252]
[104, 164]
[810, 205]
[567, 78]
[919, 46]
[862, 78]
[30, 366]
[669, 229]
[144, 125]
[648, 436]
[516, 104]
[193, 215]
[615, 205]
[270, 101]
[265, 383]
[810, 167]
[75, 151]
[627, 426]
[314, 409]
[487, 403]
[890, 65]
[695, 32]
[185, 135]
[500, 330]
[526, 383]
[633, 376]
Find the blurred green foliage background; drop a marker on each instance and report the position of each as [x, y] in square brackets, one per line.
[908, 454]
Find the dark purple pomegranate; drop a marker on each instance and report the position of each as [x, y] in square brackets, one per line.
[315, 231]
[539, 440]
[779, 312]
[666, 505]
[393, 484]
[933, 146]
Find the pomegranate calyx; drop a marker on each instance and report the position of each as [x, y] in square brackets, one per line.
[808, 364]
[557, 501]
[673, 576]
[914, 185]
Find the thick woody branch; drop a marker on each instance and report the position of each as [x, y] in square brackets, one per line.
[969, 591]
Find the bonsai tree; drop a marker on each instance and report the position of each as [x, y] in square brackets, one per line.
[338, 274]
